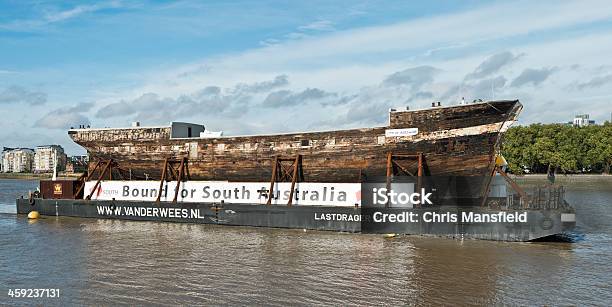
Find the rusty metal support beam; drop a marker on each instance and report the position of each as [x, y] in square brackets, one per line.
[524, 196]
[405, 156]
[119, 170]
[389, 175]
[286, 173]
[179, 179]
[172, 171]
[108, 164]
[81, 181]
[420, 172]
[161, 182]
[392, 164]
[272, 180]
[515, 186]
[296, 165]
[87, 177]
[83, 176]
[420, 157]
[487, 187]
[94, 170]
[187, 174]
[405, 170]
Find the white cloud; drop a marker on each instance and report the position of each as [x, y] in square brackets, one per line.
[368, 48]
[414, 77]
[319, 25]
[351, 67]
[287, 98]
[471, 27]
[493, 64]
[596, 82]
[18, 94]
[54, 16]
[533, 76]
[65, 117]
[78, 10]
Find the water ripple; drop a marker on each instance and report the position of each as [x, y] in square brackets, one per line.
[110, 262]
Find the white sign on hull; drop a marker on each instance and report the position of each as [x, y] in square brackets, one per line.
[401, 132]
[305, 193]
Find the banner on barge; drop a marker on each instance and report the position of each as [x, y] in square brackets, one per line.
[305, 193]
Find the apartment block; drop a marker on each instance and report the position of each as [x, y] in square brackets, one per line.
[47, 156]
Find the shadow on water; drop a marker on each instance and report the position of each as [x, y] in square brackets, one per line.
[566, 237]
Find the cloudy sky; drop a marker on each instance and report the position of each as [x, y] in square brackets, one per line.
[248, 67]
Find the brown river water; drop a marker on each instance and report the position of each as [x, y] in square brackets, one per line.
[109, 262]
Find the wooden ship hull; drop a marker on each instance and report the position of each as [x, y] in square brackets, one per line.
[459, 140]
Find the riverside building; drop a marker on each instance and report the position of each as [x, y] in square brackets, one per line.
[17, 160]
[582, 120]
[47, 156]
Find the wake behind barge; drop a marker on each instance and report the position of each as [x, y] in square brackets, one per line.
[315, 180]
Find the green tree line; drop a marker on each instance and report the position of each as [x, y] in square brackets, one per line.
[540, 148]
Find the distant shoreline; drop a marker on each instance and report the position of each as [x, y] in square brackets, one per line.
[29, 176]
[560, 178]
[564, 175]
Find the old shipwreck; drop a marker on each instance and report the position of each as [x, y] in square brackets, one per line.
[184, 173]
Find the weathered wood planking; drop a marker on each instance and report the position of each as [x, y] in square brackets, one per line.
[457, 140]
